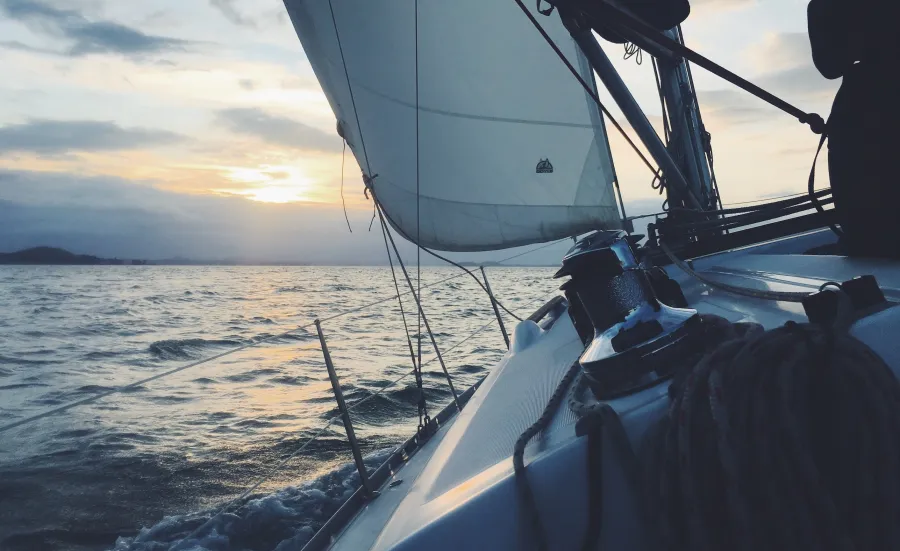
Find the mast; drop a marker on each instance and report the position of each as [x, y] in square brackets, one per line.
[680, 188]
[687, 141]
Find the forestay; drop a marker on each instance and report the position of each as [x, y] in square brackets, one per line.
[511, 149]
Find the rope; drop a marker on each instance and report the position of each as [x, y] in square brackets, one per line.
[525, 492]
[752, 215]
[783, 296]
[343, 202]
[788, 439]
[632, 50]
[812, 186]
[776, 198]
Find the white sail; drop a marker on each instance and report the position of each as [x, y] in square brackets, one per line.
[511, 149]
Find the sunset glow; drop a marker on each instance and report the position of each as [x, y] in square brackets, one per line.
[215, 117]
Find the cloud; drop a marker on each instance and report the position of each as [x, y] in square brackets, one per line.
[115, 217]
[55, 137]
[780, 51]
[22, 47]
[277, 130]
[785, 60]
[721, 5]
[802, 82]
[84, 36]
[734, 106]
[228, 9]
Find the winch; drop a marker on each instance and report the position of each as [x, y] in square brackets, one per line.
[631, 337]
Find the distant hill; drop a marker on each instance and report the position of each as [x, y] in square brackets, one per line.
[54, 255]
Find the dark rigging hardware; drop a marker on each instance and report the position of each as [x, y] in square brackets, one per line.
[640, 33]
[587, 87]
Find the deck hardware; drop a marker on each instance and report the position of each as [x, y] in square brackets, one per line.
[487, 286]
[345, 414]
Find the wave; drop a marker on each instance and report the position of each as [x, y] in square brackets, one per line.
[248, 376]
[280, 521]
[22, 361]
[186, 349]
[292, 289]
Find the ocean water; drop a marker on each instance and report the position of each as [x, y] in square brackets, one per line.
[146, 469]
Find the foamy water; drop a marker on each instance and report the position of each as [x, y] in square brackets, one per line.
[145, 469]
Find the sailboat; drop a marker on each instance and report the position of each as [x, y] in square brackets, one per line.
[478, 126]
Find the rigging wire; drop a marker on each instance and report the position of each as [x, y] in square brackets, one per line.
[589, 89]
[350, 408]
[253, 344]
[544, 246]
[362, 140]
[418, 300]
[667, 131]
[418, 207]
[422, 406]
[344, 203]
[707, 137]
[403, 234]
[337, 35]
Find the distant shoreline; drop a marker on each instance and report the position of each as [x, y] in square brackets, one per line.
[54, 256]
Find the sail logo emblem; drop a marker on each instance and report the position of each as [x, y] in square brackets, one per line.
[544, 167]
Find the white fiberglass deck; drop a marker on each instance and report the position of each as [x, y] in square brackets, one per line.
[458, 491]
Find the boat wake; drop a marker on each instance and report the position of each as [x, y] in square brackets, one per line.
[281, 521]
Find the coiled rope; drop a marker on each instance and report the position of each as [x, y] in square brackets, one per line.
[787, 439]
[526, 495]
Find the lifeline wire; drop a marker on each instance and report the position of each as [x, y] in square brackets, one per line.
[131, 386]
[284, 461]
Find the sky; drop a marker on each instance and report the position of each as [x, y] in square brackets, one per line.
[196, 128]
